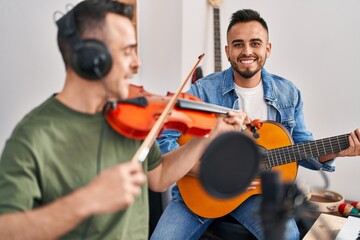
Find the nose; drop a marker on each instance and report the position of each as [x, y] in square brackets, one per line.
[136, 62]
[247, 50]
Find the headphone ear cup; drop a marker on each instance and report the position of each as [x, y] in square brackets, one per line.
[91, 55]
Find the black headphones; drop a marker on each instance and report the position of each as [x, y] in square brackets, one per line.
[90, 58]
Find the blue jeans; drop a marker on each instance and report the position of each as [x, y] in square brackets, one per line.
[179, 223]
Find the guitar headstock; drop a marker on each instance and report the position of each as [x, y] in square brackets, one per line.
[215, 3]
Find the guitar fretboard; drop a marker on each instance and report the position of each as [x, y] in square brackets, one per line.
[217, 42]
[284, 155]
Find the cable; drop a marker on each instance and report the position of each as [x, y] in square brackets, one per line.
[326, 180]
[98, 169]
[100, 144]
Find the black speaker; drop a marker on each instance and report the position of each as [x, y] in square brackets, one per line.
[90, 58]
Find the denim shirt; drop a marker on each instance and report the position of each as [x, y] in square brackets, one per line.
[280, 95]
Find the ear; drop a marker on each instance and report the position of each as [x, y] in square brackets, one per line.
[268, 50]
[227, 52]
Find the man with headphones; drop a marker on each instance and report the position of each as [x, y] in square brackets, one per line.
[64, 172]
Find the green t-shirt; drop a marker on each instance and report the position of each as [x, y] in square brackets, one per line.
[53, 151]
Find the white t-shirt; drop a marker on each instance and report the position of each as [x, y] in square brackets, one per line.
[251, 101]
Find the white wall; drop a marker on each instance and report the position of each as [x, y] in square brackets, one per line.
[30, 64]
[315, 45]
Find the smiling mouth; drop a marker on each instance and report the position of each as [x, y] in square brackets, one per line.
[247, 61]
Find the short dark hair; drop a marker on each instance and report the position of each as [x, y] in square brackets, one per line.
[246, 15]
[89, 15]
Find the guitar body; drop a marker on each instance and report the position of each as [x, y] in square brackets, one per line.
[272, 135]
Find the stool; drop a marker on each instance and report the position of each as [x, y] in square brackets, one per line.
[227, 228]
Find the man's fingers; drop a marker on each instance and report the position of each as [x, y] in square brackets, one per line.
[139, 178]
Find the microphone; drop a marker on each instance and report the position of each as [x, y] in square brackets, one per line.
[347, 209]
[273, 206]
[229, 164]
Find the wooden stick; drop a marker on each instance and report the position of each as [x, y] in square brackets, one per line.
[144, 149]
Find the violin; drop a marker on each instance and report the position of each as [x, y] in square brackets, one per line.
[145, 117]
[135, 116]
[156, 129]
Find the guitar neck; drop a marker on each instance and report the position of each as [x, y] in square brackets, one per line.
[217, 42]
[284, 155]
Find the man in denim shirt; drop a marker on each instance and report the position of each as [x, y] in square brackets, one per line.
[246, 85]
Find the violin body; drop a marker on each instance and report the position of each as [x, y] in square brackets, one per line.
[136, 116]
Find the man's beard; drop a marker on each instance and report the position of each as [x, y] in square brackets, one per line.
[246, 74]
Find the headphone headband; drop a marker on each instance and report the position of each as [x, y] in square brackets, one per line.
[90, 58]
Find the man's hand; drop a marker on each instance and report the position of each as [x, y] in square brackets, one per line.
[354, 142]
[255, 183]
[115, 188]
[233, 121]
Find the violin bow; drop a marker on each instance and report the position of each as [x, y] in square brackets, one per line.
[144, 149]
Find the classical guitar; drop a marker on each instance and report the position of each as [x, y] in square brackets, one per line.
[217, 43]
[279, 154]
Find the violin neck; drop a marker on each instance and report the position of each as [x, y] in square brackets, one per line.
[201, 106]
